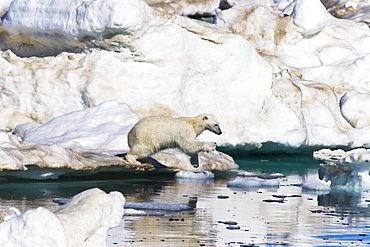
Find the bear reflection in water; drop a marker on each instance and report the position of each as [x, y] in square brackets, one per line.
[153, 134]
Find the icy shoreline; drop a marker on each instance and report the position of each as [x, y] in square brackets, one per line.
[299, 68]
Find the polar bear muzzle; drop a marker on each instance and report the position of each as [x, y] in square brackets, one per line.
[216, 129]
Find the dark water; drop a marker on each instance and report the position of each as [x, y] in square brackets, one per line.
[302, 218]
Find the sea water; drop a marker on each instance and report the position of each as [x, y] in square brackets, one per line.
[282, 215]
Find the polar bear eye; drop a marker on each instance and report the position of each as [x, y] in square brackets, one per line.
[205, 118]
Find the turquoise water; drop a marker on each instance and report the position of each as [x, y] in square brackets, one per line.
[301, 218]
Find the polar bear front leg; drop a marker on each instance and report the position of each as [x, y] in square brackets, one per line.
[195, 147]
[194, 160]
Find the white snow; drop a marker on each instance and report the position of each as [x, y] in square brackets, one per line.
[83, 221]
[102, 127]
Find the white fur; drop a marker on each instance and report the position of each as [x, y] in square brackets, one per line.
[153, 134]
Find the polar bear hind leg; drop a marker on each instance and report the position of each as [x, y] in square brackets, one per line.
[137, 155]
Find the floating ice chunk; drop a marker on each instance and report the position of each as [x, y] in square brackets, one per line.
[316, 185]
[350, 169]
[253, 182]
[89, 215]
[195, 175]
[156, 206]
[349, 174]
[35, 227]
[134, 212]
[261, 175]
[83, 221]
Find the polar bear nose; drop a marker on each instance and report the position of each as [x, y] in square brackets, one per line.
[218, 129]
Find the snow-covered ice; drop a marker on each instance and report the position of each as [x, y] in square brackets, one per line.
[201, 68]
[104, 127]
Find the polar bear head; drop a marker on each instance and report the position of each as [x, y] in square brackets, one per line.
[210, 123]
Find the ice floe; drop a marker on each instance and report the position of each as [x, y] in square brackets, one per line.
[349, 169]
[195, 175]
[316, 186]
[253, 182]
[156, 206]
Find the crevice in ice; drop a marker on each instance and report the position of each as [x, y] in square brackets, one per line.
[85, 98]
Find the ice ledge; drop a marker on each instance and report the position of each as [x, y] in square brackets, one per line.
[53, 161]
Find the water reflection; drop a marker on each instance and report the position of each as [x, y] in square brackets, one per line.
[302, 218]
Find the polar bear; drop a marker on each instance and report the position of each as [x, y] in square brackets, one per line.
[152, 134]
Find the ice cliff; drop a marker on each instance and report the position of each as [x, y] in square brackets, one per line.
[268, 74]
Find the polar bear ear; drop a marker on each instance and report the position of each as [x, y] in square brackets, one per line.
[205, 118]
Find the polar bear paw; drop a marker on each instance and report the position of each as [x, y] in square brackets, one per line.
[209, 146]
[131, 159]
